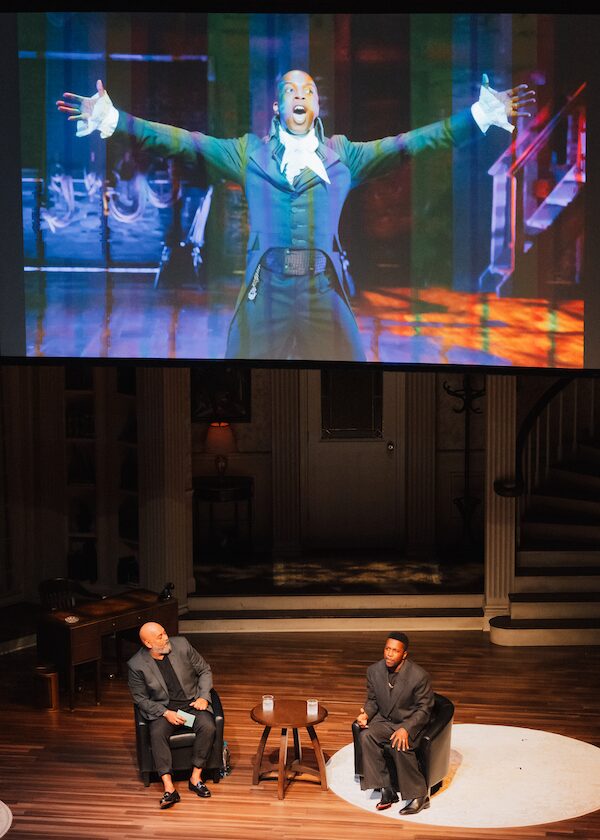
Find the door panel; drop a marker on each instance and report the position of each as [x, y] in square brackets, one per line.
[353, 489]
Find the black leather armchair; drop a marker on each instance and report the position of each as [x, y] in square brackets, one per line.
[433, 752]
[181, 745]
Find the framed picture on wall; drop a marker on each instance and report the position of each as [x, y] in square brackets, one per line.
[220, 394]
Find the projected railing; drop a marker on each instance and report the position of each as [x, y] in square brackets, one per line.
[73, 206]
[538, 176]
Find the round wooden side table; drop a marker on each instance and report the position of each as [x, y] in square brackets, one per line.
[289, 714]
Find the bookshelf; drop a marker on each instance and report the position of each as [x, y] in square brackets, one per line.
[101, 469]
[127, 465]
[81, 474]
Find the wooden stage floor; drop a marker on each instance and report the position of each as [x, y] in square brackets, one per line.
[72, 775]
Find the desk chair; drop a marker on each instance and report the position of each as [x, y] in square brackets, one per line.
[63, 594]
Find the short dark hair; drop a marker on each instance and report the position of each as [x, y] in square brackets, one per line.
[400, 637]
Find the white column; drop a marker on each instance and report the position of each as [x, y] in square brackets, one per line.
[164, 430]
[420, 463]
[499, 511]
[285, 462]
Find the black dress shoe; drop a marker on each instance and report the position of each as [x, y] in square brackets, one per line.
[200, 789]
[388, 797]
[169, 799]
[415, 805]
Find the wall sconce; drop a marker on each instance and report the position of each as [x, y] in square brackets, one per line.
[220, 442]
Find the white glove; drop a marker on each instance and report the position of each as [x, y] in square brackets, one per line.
[104, 117]
[489, 110]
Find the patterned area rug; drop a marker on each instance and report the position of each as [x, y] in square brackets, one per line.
[5, 818]
[339, 574]
[499, 777]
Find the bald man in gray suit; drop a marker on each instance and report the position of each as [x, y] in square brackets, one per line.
[397, 709]
[168, 676]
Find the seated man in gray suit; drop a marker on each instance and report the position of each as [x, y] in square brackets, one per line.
[165, 676]
[397, 709]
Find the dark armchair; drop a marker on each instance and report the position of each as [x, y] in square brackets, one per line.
[181, 745]
[433, 753]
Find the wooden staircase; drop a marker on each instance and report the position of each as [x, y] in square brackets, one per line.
[556, 595]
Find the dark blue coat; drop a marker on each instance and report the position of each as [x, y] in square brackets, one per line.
[307, 213]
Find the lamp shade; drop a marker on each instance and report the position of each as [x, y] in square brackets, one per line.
[220, 439]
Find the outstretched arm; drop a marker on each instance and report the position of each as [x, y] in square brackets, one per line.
[97, 112]
[377, 157]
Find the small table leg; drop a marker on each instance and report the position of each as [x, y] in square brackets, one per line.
[98, 682]
[259, 755]
[281, 769]
[318, 755]
[71, 687]
[297, 747]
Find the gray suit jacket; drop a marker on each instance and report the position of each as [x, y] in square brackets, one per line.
[148, 688]
[408, 704]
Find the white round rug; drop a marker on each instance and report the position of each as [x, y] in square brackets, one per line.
[499, 777]
[5, 818]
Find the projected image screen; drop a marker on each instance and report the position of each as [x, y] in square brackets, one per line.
[402, 189]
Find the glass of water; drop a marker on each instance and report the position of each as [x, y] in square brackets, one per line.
[312, 707]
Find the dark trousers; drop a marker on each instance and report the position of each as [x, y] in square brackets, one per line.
[376, 774]
[161, 730]
[295, 317]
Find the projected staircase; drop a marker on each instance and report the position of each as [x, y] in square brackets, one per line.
[537, 211]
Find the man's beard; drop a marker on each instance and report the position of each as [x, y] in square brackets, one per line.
[163, 650]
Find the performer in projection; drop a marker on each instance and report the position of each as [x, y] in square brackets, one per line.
[293, 303]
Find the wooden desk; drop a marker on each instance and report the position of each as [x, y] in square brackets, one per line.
[289, 714]
[66, 643]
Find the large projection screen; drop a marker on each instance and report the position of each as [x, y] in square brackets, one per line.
[196, 215]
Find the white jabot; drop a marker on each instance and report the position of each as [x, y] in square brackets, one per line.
[301, 152]
[490, 111]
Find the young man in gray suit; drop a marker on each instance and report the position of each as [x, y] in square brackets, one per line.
[397, 709]
[167, 676]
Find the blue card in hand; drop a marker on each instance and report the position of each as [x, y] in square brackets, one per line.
[189, 719]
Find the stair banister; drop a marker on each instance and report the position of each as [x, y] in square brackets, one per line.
[514, 487]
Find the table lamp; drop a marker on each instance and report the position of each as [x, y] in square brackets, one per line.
[220, 442]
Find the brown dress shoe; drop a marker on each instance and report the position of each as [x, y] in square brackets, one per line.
[415, 805]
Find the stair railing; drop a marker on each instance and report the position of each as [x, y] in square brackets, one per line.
[513, 199]
[564, 416]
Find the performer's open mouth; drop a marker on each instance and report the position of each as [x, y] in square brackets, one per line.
[299, 114]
